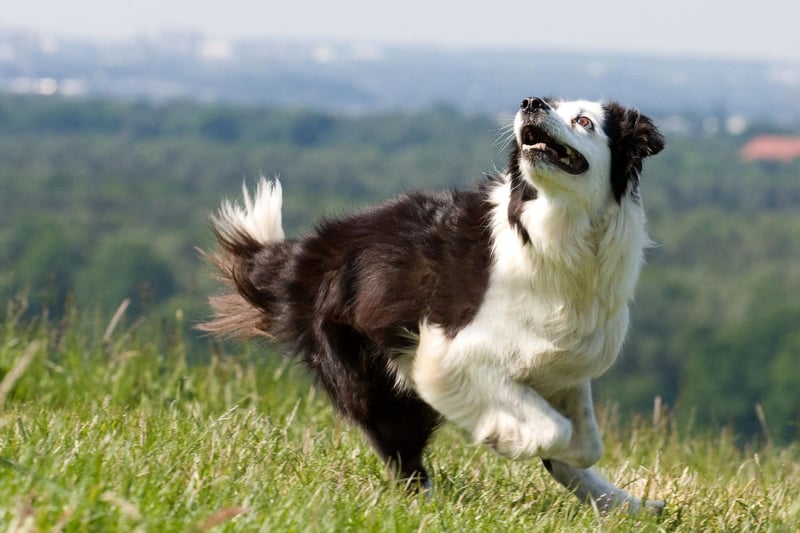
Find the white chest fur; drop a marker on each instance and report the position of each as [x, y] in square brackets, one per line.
[556, 309]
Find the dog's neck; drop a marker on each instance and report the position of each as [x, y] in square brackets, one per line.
[581, 254]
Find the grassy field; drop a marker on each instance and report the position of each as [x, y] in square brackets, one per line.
[109, 428]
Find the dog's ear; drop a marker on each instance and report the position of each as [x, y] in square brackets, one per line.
[632, 136]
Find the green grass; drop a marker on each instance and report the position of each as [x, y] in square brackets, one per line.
[114, 431]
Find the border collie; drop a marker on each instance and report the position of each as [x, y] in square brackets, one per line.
[492, 308]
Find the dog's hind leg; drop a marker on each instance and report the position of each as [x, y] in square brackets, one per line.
[357, 380]
[400, 426]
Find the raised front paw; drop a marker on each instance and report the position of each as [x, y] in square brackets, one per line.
[519, 440]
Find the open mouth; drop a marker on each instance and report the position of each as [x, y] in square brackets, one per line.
[537, 144]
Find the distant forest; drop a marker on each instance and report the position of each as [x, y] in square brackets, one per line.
[102, 201]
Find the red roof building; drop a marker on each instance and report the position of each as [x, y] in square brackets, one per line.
[771, 148]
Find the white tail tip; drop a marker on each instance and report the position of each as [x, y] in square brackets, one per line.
[259, 217]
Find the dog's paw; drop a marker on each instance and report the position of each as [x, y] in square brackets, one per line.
[513, 439]
[655, 507]
[633, 505]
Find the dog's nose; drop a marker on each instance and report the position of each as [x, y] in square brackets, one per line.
[532, 103]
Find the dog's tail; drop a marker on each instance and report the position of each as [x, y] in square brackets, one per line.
[242, 231]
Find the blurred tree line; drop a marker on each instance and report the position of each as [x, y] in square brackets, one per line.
[102, 201]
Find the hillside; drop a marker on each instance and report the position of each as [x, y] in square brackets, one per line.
[112, 429]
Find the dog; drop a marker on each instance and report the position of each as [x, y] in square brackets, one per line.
[492, 308]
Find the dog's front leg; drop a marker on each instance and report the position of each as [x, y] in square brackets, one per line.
[510, 417]
[586, 446]
[572, 468]
[589, 485]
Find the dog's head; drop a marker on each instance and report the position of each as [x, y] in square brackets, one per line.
[579, 151]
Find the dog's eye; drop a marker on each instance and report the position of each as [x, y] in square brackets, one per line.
[584, 122]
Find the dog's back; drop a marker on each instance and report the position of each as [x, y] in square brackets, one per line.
[379, 271]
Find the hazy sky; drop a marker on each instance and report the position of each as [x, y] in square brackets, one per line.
[764, 29]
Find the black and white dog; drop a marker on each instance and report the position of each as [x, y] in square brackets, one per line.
[492, 308]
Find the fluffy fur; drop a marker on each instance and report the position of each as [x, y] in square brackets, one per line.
[491, 308]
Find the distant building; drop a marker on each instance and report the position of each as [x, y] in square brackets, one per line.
[781, 148]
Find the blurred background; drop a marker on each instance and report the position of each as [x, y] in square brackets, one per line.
[122, 125]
